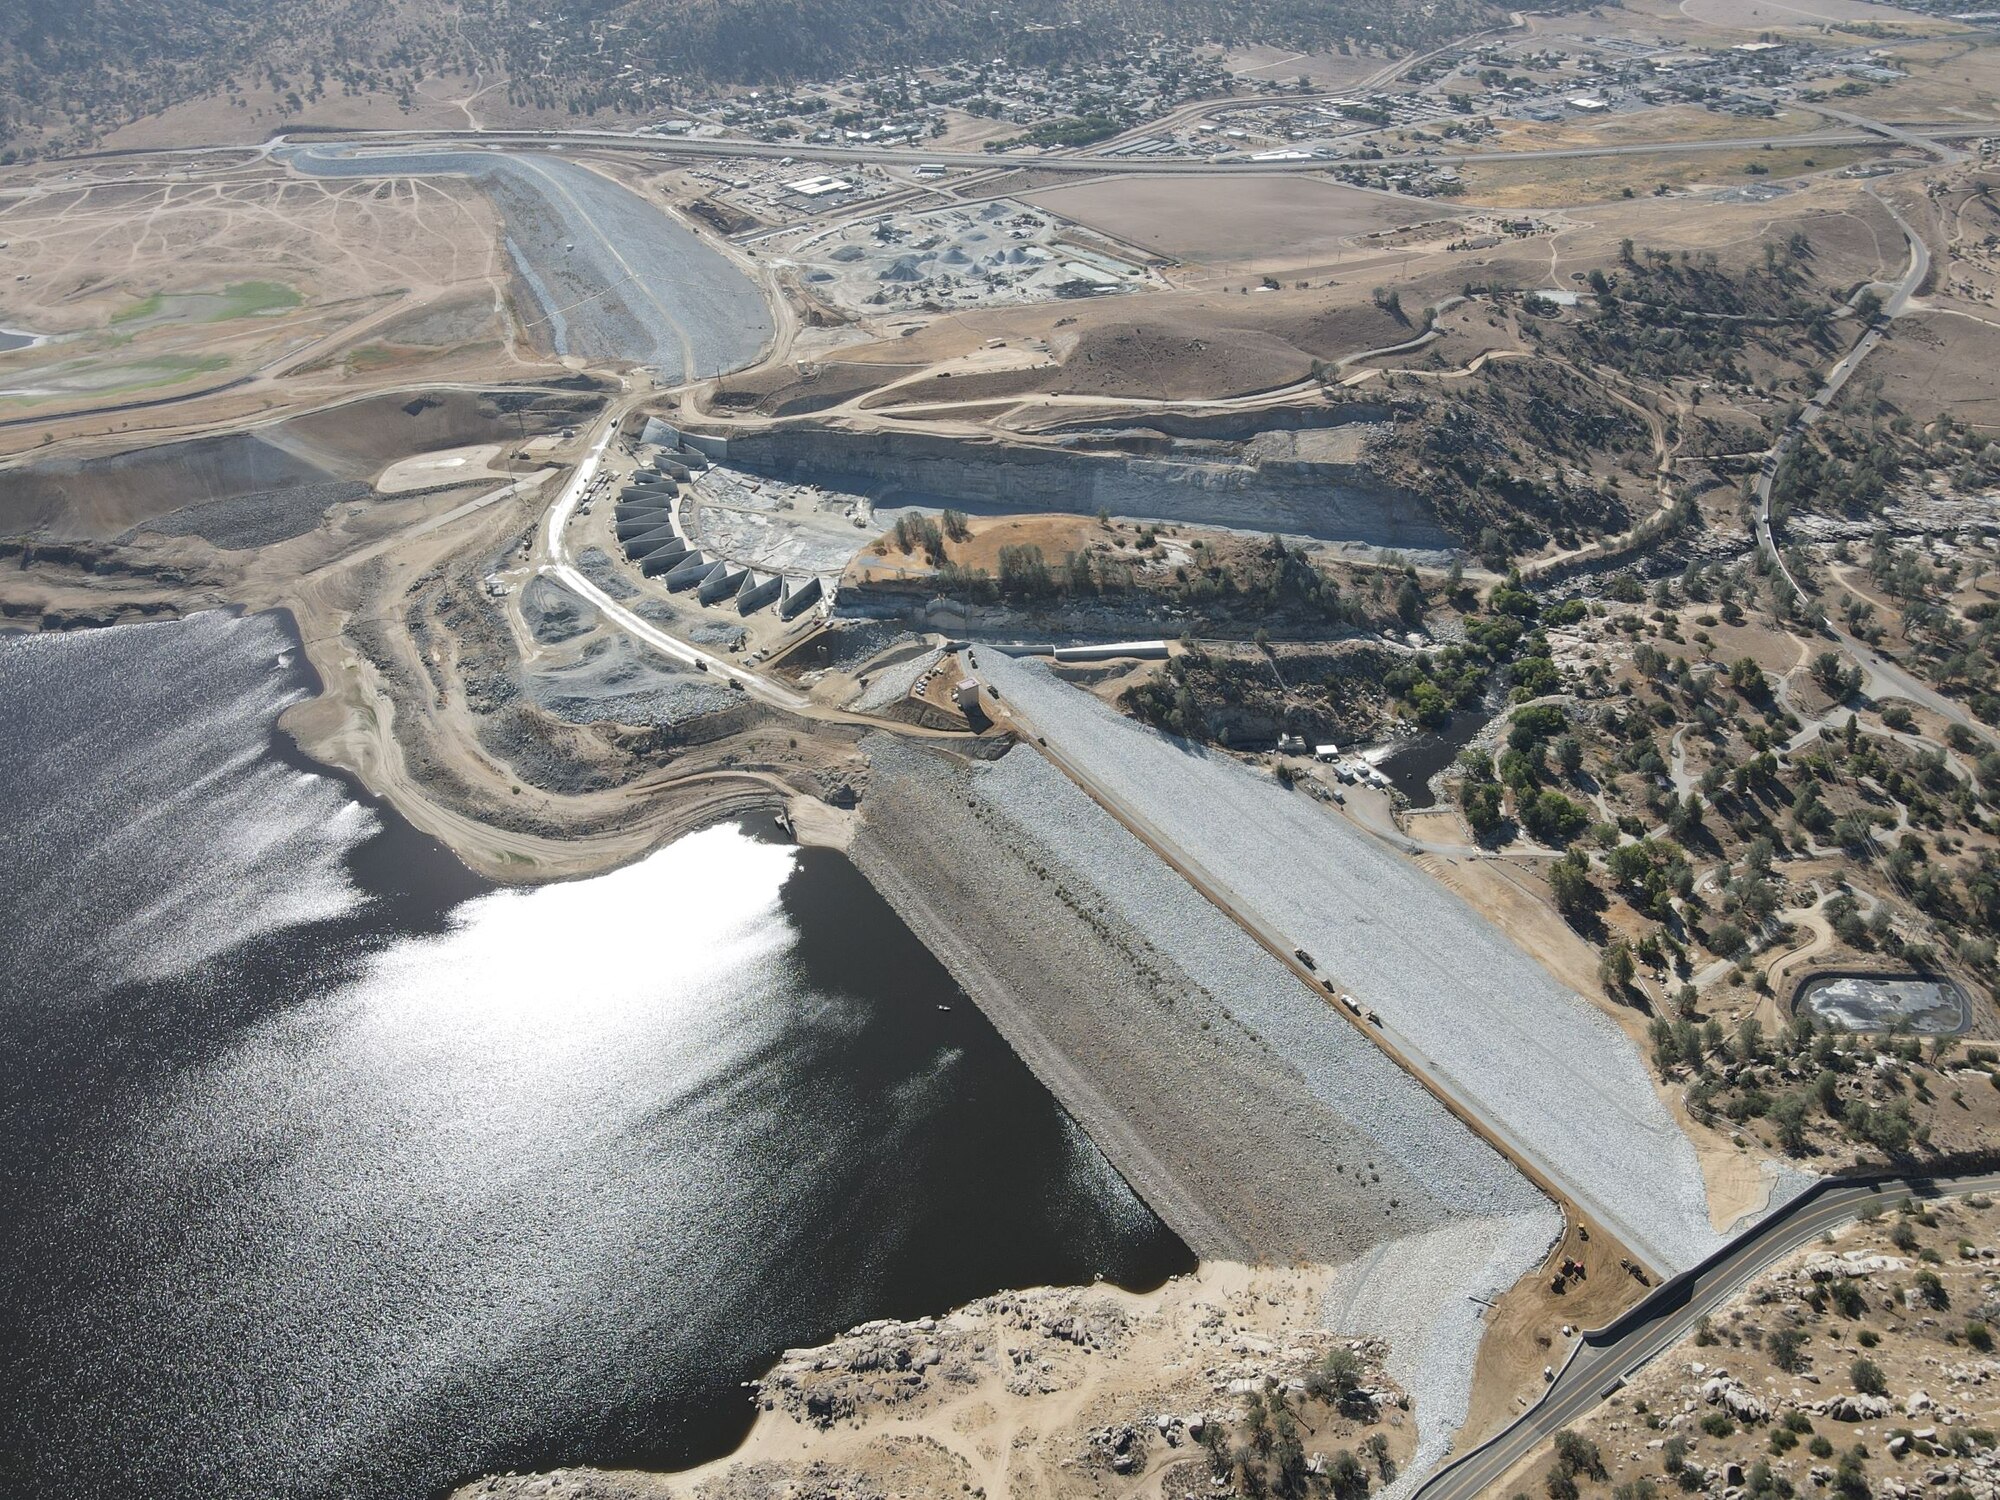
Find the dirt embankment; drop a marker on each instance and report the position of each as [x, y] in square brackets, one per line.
[264, 485]
[1146, 1036]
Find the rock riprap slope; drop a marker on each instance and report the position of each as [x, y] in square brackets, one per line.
[1257, 1122]
[1542, 1065]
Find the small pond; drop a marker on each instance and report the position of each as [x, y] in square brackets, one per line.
[1879, 1002]
[1412, 764]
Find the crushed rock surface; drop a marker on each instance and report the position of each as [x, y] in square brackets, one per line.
[617, 683]
[1541, 1061]
[1257, 1120]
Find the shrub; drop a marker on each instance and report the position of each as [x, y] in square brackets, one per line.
[1868, 1378]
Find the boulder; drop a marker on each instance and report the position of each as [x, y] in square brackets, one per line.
[1733, 1398]
[1855, 1408]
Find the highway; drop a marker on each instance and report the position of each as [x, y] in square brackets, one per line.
[1602, 1360]
[1096, 163]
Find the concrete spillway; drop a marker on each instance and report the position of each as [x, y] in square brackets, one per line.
[759, 591]
[629, 527]
[691, 571]
[667, 559]
[640, 547]
[721, 584]
[797, 601]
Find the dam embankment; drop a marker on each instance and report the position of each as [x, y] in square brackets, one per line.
[1261, 474]
[1254, 1120]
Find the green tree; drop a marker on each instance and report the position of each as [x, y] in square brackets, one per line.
[1789, 1113]
[1482, 803]
[1616, 968]
[1570, 884]
[1787, 1346]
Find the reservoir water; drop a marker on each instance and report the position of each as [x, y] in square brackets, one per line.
[331, 1170]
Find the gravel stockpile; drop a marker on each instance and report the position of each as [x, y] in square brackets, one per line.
[618, 685]
[596, 565]
[728, 637]
[618, 277]
[1539, 1060]
[893, 683]
[553, 613]
[259, 518]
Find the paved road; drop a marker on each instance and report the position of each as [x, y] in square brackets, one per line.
[1884, 674]
[1888, 679]
[1088, 162]
[1602, 1361]
[1892, 306]
[1896, 133]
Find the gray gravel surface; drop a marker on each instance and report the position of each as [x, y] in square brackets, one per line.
[1539, 1060]
[553, 613]
[618, 684]
[728, 637]
[1256, 1120]
[597, 565]
[617, 277]
[259, 518]
[1415, 1290]
[893, 683]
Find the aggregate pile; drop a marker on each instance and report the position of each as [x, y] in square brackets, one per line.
[615, 682]
[894, 683]
[1540, 1062]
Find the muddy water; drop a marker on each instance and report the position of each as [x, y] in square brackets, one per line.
[1411, 766]
[331, 1170]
